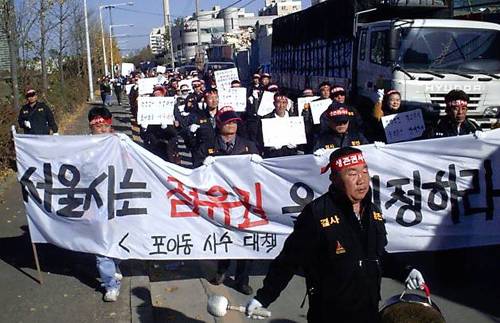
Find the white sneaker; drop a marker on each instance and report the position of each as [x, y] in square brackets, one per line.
[111, 295]
[118, 276]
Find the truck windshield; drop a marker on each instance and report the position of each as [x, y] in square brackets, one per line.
[450, 49]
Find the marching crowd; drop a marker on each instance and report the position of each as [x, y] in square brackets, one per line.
[345, 282]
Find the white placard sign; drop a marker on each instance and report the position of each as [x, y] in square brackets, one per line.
[223, 78]
[303, 101]
[146, 85]
[318, 107]
[279, 132]
[188, 82]
[107, 195]
[234, 97]
[403, 126]
[155, 110]
[127, 68]
[160, 69]
[266, 105]
[128, 87]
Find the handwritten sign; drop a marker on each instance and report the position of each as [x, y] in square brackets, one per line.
[266, 105]
[155, 110]
[161, 69]
[403, 126]
[234, 97]
[146, 85]
[223, 78]
[279, 132]
[301, 102]
[318, 107]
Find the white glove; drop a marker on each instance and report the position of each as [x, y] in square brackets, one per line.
[256, 158]
[55, 134]
[27, 124]
[291, 146]
[479, 134]
[209, 160]
[194, 127]
[319, 152]
[380, 95]
[144, 126]
[250, 99]
[251, 307]
[379, 144]
[276, 147]
[164, 125]
[415, 280]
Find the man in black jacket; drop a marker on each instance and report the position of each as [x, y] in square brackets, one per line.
[455, 123]
[339, 134]
[35, 117]
[338, 241]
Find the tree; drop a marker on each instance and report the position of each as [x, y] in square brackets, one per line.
[7, 26]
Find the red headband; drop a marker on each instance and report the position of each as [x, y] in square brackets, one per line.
[342, 162]
[392, 92]
[99, 120]
[338, 89]
[460, 103]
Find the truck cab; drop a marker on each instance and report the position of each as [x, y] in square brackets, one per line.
[426, 58]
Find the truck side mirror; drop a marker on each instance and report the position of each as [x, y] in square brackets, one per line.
[393, 44]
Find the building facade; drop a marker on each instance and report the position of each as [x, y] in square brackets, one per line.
[280, 7]
[157, 40]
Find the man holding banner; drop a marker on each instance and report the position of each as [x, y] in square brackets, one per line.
[338, 240]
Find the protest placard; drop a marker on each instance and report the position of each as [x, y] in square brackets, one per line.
[303, 101]
[155, 110]
[161, 69]
[266, 105]
[128, 87]
[235, 97]
[223, 78]
[278, 132]
[318, 107]
[146, 85]
[403, 126]
[127, 68]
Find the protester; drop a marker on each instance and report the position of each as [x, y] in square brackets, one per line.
[391, 104]
[35, 117]
[280, 111]
[235, 83]
[195, 99]
[100, 120]
[338, 241]
[324, 91]
[265, 80]
[308, 122]
[455, 123]
[105, 89]
[118, 88]
[132, 97]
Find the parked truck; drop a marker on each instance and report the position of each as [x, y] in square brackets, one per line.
[413, 46]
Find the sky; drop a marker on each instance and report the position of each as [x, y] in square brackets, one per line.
[146, 14]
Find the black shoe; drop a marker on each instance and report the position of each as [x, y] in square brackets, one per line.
[244, 289]
[218, 279]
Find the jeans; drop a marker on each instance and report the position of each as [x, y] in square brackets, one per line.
[107, 268]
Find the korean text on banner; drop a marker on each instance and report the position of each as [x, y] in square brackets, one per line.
[223, 78]
[107, 195]
[279, 132]
[235, 97]
[403, 126]
[155, 110]
[318, 107]
[266, 105]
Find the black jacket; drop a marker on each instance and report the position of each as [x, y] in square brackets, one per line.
[330, 139]
[242, 146]
[205, 133]
[446, 128]
[40, 117]
[340, 259]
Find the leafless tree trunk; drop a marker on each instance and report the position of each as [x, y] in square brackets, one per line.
[43, 43]
[8, 25]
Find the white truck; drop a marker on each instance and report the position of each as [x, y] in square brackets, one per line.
[410, 46]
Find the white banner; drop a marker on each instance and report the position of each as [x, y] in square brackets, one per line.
[266, 104]
[155, 110]
[318, 107]
[234, 97]
[223, 78]
[106, 195]
[279, 132]
[403, 126]
[303, 101]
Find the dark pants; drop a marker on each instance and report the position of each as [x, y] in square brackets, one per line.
[242, 270]
[118, 94]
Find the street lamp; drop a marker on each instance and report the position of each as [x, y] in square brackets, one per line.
[111, 44]
[109, 6]
[89, 61]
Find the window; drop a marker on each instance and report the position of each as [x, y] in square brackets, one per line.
[362, 45]
[377, 47]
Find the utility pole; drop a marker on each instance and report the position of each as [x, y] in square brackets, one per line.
[111, 43]
[198, 22]
[166, 14]
[89, 61]
[199, 56]
[11, 33]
